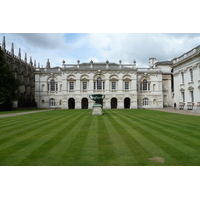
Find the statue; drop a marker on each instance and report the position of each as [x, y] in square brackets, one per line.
[97, 107]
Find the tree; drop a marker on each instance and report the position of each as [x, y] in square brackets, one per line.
[8, 83]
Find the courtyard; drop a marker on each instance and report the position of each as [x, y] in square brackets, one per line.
[126, 137]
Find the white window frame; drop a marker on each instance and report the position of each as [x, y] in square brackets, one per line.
[71, 85]
[191, 75]
[52, 102]
[126, 85]
[145, 102]
[114, 85]
[182, 76]
[84, 85]
[183, 96]
[192, 96]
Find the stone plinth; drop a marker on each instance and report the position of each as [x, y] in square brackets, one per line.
[97, 110]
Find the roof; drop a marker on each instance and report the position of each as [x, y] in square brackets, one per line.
[97, 66]
[164, 63]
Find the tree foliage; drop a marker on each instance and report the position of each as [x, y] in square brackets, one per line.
[8, 83]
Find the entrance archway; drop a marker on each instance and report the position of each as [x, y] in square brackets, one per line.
[113, 103]
[127, 103]
[71, 103]
[84, 103]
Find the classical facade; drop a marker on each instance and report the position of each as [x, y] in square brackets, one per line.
[186, 70]
[23, 71]
[124, 85]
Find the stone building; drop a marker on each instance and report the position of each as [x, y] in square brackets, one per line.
[186, 71]
[124, 85]
[23, 71]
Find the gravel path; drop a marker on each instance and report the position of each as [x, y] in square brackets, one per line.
[172, 110]
[21, 113]
[169, 109]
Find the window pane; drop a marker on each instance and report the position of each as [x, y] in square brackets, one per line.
[144, 84]
[126, 85]
[99, 84]
[52, 102]
[192, 96]
[191, 74]
[183, 96]
[52, 85]
[113, 85]
[145, 101]
[84, 85]
[71, 85]
[182, 74]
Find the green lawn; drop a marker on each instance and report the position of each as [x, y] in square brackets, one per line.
[119, 137]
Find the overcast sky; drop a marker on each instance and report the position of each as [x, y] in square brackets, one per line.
[100, 47]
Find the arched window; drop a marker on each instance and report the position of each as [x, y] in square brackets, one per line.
[99, 84]
[52, 85]
[145, 102]
[144, 84]
[52, 102]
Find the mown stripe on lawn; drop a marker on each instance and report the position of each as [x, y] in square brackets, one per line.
[138, 149]
[150, 146]
[25, 120]
[171, 131]
[24, 132]
[175, 148]
[45, 134]
[51, 152]
[124, 154]
[70, 152]
[106, 153]
[89, 153]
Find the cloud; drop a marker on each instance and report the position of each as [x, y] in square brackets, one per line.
[102, 46]
[43, 40]
[142, 46]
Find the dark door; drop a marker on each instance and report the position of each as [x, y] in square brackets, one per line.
[84, 103]
[127, 103]
[113, 103]
[71, 103]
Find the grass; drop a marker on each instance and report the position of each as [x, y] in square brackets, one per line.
[117, 138]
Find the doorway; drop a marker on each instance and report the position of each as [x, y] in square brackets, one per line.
[84, 103]
[127, 103]
[114, 103]
[71, 103]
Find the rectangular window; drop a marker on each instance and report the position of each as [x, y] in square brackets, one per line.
[141, 86]
[94, 85]
[191, 74]
[84, 85]
[148, 86]
[126, 85]
[192, 96]
[182, 75]
[56, 87]
[103, 85]
[113, 85]
[71, 85]
[48, 87]
[99, 84]
[183, 96]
